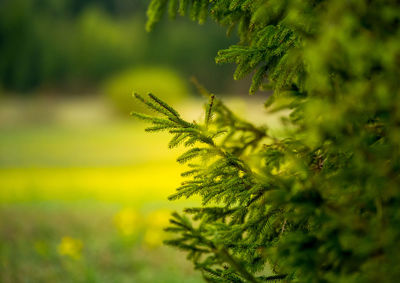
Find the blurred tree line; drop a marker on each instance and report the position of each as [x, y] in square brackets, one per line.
[72, 45]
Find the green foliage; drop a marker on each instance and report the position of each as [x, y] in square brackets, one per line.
[76, 44]
[270, 40]
[320, 203]
[101, 46]
[42, 44]
[169, 84]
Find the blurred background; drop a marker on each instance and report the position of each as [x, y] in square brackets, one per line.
[83, 189]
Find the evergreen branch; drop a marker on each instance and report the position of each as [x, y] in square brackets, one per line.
[257, 79]
[158, 128]
[190, 172]
[142, 116]
[221, 252]
[177, 139]
[190, 154]
[151, 105]
[293, 198]
[237, 266]
[209, 110]
[185, 130]
[272, 278]
[165, 105]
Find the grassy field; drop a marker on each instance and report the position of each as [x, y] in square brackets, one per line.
[83, 196]
[53, 242]
[86, 202]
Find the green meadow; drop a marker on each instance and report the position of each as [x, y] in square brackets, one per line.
[83, 194]
[76, 203]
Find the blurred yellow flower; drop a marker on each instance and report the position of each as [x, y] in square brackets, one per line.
[70, 247]
[156, 222]
[153, 238]
[158, 219]
[127, 221]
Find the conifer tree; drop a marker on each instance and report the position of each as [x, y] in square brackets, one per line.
[319, 203]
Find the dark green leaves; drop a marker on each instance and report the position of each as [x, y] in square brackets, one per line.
[317, 201]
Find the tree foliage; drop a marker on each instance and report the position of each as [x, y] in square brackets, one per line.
[320, 202]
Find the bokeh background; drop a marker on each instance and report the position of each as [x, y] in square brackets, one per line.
[83, 189]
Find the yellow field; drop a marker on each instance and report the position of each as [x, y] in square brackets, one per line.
[115, 162]
[124, 184]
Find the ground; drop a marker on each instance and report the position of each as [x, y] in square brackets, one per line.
[84, 199]
[83, 195]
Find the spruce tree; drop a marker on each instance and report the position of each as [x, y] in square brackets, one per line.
[320, 202]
